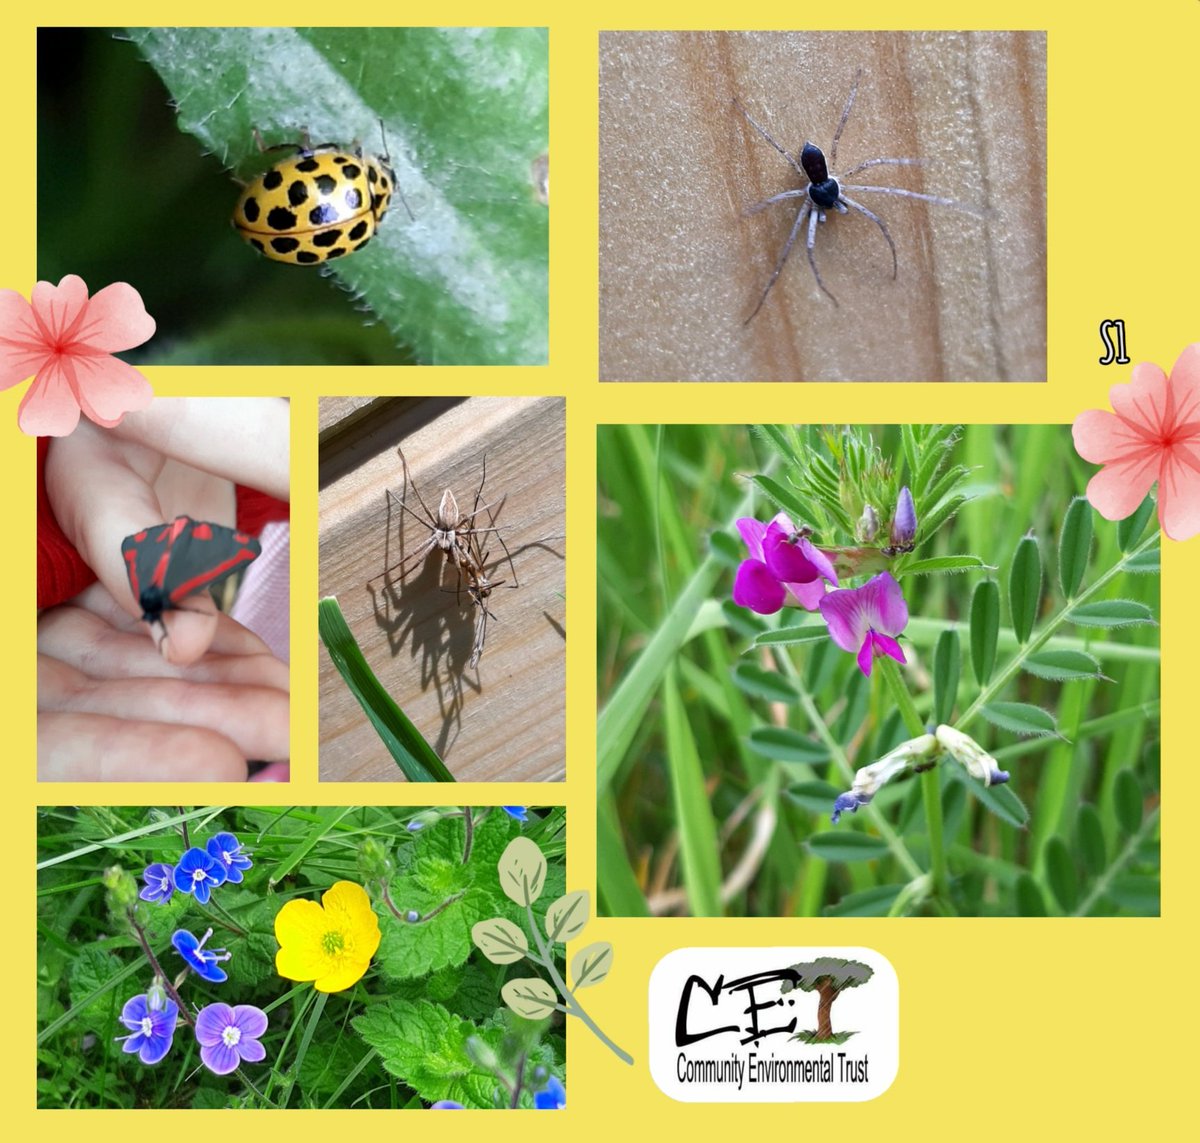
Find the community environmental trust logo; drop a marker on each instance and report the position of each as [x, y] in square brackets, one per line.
[774, 1025]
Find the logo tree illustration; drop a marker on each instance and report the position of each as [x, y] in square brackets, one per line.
[828, 977]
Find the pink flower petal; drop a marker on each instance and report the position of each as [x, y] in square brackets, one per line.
[22, 350]
[1102, 437]
[116, 319]
[752, 532]
[1179, 493]
[58, 309]
[107, 388]
[1117, 489]
[756, 588]
[49, 408]
[808, 595]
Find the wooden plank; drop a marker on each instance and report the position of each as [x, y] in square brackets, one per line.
[682, 266]
[505, 720]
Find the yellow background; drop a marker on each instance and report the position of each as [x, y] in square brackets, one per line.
[1022, 1028]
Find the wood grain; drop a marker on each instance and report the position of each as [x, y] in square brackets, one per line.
[504, 721]
[682, 266]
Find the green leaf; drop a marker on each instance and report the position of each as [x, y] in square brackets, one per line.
[465, 281]
[947, 667]
[568, 916]
[1062, 665]
[787, 745]
[949, 564]
[426, 1047]
[530, 997]
[1111, 613]
[1145, 563]
[522, 871]
[876, 902]
[785, 636]
[985, 628]
[414, 756]
[1030, 902]
[999, 800]
[1089, 838]
[1061, 874]
[1138, 893]
[761, 683]
[1130, 530]
[728, 549]
[1074, 545]
[1127, 801]
[814, 795]
[591, 965]
[783, 497]
[500, 940]
[1025, 587]
[1020, 718]
[92, 989]
[846, 846]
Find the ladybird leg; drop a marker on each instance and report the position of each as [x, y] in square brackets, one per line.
[806, 211]
[880, 163]
[812, 261]
[937, 200]
[878, 222]
[766, 135]
[842, 122]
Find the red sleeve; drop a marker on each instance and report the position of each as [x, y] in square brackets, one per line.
[61, 572]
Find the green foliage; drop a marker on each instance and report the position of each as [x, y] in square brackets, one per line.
[427, 1020]
[1054, 607]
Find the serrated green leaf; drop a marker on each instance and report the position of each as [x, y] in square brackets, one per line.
[500, 940]
[568, 916]
[787, 745]
[1074, 546]
[1062, 665]
[764, 684]
[530, 997]
[1111, 613]
[846, 846]
[92, 992]
[591, 965]
[1025, 587]
[947, 666]
[985, 628]
[1020, 718]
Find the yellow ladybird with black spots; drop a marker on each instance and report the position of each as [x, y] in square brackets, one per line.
[319, 204]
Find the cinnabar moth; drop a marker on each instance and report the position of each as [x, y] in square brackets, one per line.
[168, 562]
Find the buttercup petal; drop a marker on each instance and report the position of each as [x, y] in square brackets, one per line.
[344, 974]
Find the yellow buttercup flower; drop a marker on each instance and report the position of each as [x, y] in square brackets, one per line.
[331, 943]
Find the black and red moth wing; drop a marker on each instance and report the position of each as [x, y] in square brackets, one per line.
[168, 562]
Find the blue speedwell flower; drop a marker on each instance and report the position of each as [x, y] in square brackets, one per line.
[205, 963]
[553, 1097]
[159, 883]
[225, 848]
[151, 1021]
[199, 873]
[227, 1036]
[447, 1105]
[518, 812]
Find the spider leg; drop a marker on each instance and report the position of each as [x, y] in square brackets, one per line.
[880, 163]
[937, 200]
[878, 222]
[842, 122]
[407, 481]
[805, 211]
[816, 217]
[773, 200]
[766, 135]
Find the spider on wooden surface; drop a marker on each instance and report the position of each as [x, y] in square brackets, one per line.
[826, 191]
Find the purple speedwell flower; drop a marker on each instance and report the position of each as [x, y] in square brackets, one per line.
[783, 562]
[446, 1105]
[200, 873]
[553, 1097]
[225, 848]
[227, 1036]
[864, 620]
[151, 1021]
[205, 963]
[159, 883]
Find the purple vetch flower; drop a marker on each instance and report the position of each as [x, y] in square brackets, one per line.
[783, 562]
[200, 873]
[151, 1021]
[159, 883]
[203, 962]
[446, 1105]
[553, 1097]
[227, 1036]
[520, 813]
[869, 779]
[225, 848]
[904, 522]
[864, 620]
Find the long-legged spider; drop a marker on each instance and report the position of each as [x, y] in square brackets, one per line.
[826, 191]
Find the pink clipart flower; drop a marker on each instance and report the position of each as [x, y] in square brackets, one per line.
[65, 341]
[1152, 434]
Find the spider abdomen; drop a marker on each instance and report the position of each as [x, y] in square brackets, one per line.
[825, 194]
